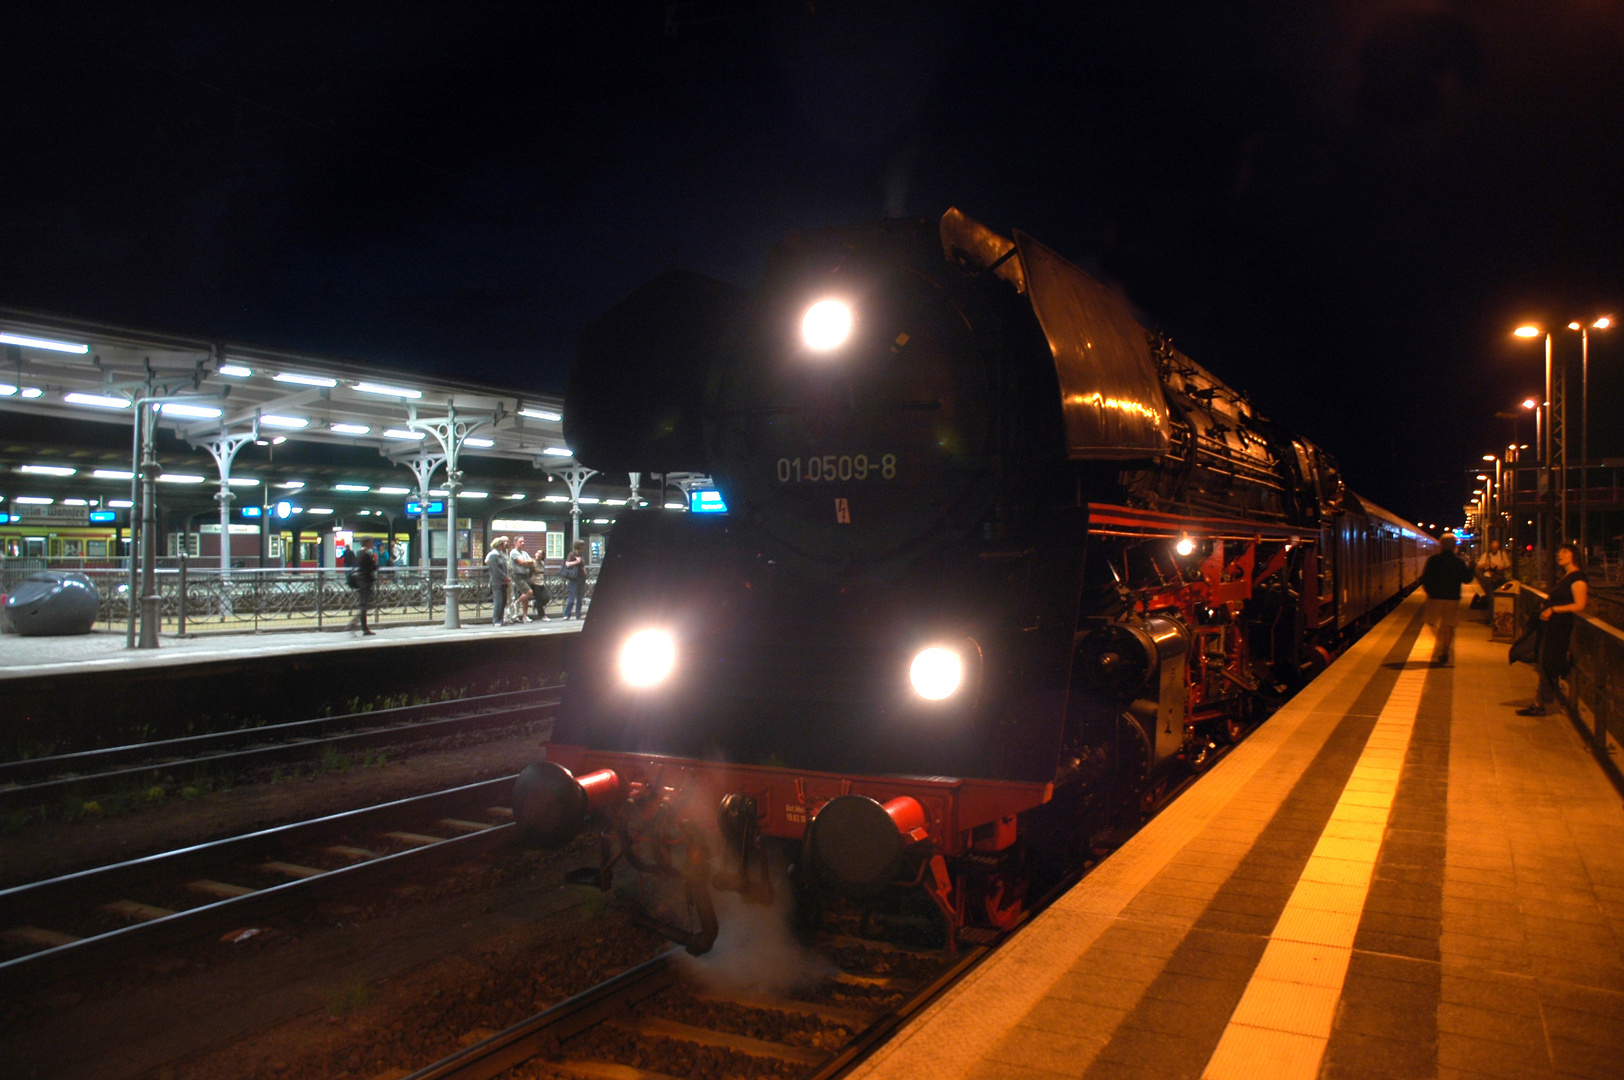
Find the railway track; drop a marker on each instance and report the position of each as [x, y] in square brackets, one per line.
[659, 1017]
[42, 781]
[112, 914]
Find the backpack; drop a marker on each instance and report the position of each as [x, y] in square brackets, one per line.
[352, 579]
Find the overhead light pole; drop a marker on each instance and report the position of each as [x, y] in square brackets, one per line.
[1602, 323]
[1549, 528]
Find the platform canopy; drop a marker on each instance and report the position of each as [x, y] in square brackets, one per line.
[72, 369]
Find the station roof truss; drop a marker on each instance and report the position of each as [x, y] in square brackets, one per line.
[72, 369]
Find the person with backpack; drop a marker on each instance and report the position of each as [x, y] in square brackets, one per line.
[575, 579]
[362, 576]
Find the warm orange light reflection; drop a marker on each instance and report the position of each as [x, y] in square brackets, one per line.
[1120, 404]
[1526, 331]
[1529, 403]
[1602, 323]
[1573, 326]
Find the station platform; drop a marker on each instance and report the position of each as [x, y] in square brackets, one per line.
[1395, 876]
[101, 650]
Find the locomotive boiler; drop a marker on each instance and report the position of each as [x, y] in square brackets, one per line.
[997, 566]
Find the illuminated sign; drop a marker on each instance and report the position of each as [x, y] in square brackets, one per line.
[415, 509]
[103, 516]
[252, 511]
[707, 502]
[283, 509]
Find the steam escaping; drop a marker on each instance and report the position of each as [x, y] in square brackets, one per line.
[756, 953]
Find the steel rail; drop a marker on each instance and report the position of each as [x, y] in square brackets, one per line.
[36, 794]
[28, 768]
[46, 901]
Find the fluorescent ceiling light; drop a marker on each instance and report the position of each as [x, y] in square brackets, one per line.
[47, 470]
[557, 451]
[306, 380]
[179, 478]
[352, 487]
[122, 504]
[113, 474]
[676, 506]
[600, 521]
[614, 502]
[32, 392]
[474, 495]
[394, 491]
[276, 421]
[387, 391]
[402, 433]
[74, 502]
[291, 485]
[44, 343]
[438, 493]
[541, 414]
[515, 497]
[555, 498]
[236, 371]
[351, 429]
[32, 500]
[6, 389]
[200, 412]
[243, 481]
[321, 509]
[587, 500]
[101, 401]
[481, 443]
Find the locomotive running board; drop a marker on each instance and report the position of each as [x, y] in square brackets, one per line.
[1105, 519]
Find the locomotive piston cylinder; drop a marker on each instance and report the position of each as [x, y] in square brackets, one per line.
[855, 844]
[1141, 666]
[551, 804]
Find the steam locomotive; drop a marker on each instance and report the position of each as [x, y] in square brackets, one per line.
[997, 566]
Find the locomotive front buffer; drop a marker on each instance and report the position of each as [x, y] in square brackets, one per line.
[704, 825]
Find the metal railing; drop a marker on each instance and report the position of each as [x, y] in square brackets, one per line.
[193, 599]
[1593, 692]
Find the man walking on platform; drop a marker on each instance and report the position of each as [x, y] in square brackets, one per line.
[1442, 578]
[363, 576]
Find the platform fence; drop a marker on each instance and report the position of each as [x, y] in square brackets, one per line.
[1593, 692]
[201, 600]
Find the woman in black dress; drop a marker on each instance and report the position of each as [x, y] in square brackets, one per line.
[1567, 599]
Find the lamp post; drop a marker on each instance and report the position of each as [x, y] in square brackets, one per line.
[1548, 530]
[1602, 323]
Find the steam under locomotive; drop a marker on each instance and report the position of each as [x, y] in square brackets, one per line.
[996, 564]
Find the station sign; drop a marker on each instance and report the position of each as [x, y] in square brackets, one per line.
[100, 517]
[707, 501]
[415, 509]
[253, 511]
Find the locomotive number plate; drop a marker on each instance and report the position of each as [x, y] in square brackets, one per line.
[836, 467]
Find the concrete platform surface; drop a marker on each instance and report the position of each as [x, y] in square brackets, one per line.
[28, 657]
[1396, 876]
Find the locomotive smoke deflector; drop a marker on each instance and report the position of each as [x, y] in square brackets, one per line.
[1110, 389]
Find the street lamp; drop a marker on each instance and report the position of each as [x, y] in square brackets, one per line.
[1547, 534]
[1601, 323]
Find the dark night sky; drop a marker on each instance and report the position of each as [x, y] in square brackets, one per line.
[1340, 207]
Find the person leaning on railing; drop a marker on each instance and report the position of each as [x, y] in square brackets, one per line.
[1566, 600]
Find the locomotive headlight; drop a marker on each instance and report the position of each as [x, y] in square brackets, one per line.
[647, 657]
[1185, 546]
[826, 325]
[936, 673]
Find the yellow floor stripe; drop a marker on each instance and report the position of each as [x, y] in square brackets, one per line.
[1282, 1025]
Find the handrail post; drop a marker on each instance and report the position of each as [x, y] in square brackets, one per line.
[320, 596]
[180, 627]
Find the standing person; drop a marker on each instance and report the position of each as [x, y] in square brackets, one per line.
[1568, 598]
[575, 577]
[524, 565]
[1492, 567]
[1442, 577]
[496, 561]
[363, 577]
